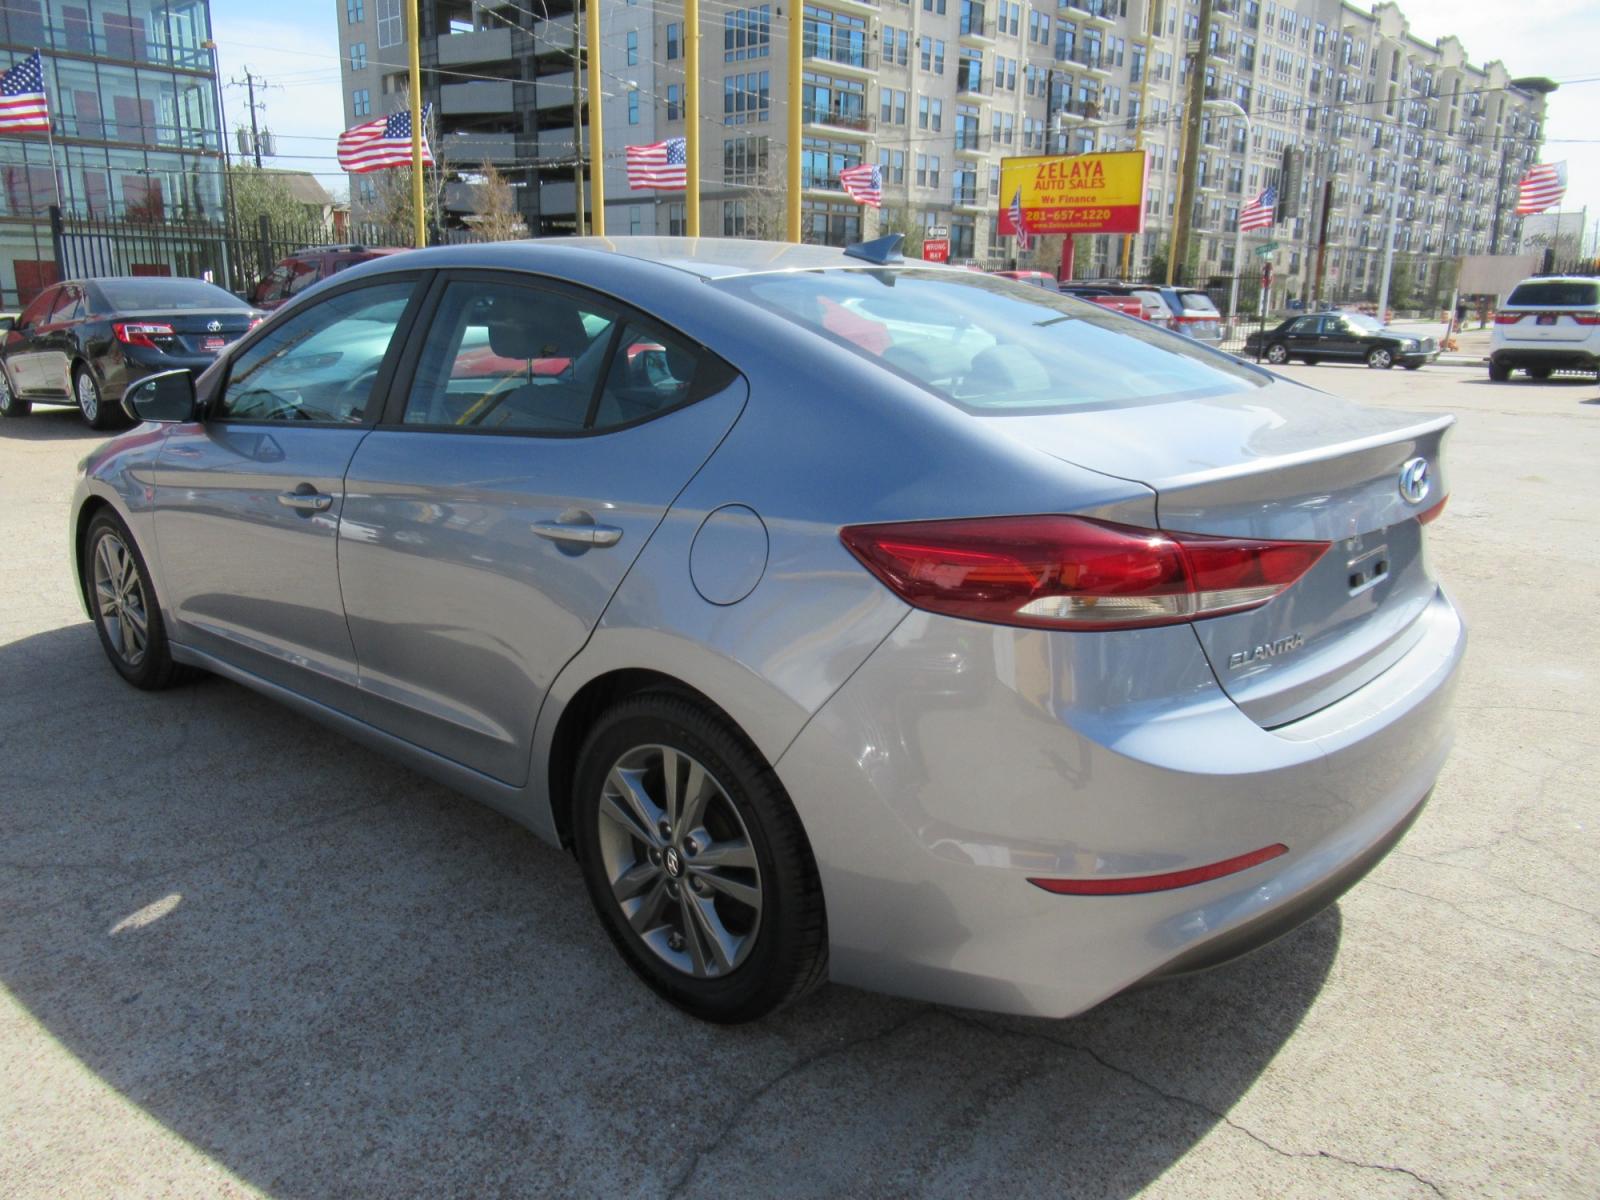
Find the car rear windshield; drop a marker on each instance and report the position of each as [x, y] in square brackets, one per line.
[991, 346]
[1197, 302]
[131, 295]
[1556, 293]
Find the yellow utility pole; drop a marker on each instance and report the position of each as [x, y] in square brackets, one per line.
[791, 198]
[691, 114]
[597, 149]
[1138, 142]
[414, 44]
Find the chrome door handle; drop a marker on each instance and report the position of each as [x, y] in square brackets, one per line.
[578, 535]
[306, 502]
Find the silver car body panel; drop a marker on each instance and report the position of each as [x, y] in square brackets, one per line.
[934, 762]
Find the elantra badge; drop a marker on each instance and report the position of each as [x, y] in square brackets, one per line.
[1414, 481]
[1246, 658]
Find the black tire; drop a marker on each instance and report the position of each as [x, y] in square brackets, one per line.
[1539, 373]
[787, 954]
[152, 669]
[1498, 372]
[1311, 360]
[11, 405]
[1412, 366]
[1277, 354]
[93, 406]
[1380, 358]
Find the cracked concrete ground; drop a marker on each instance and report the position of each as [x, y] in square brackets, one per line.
[241, 956]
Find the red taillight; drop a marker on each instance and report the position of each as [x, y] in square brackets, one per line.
[1585, 318]
[1507, 318]
[254, 321]
[1432, 514]
[1056, 572]
[1165, 882]
[140, 333]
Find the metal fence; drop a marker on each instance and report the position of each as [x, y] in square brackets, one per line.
[233, 258]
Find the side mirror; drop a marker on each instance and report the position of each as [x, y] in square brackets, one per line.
[7, 324]
[168, 396]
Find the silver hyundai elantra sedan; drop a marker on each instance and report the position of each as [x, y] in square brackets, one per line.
[849, 618]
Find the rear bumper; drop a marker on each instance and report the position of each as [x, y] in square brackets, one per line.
[962, 759]
[1558, 357]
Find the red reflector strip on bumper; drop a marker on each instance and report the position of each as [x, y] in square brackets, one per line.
[1134, 884]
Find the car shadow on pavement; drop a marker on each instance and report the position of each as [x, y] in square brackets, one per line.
[334, 977]
[52, 424]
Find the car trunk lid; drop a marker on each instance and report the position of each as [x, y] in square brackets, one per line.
[1290, 463]
[194, 332]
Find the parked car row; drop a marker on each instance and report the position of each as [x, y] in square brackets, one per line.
[547, 521]
[1188, 311]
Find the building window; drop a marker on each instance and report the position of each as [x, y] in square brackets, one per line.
[674, 43]
[367, 190]
[821, 161]
[633, 108]
[635, 220]
[674, 101]
[734, 218]
[391, 26]
[829, 224]
[744, 159]
[633, 47]
[358, 56]
[747, 33]
[746, 98]
[932, 55]
[361, 102]
[677, 219]
[835, 37]
[355, 11]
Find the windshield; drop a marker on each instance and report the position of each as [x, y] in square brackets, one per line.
[1197, 302]
[1552, 293]
[129, 295]
[995, 347]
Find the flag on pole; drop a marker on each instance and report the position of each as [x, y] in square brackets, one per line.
[1021, 230]
[1259, 213]
[864, 184]
[1541, 188]
[663, 165]
[23, 107]
[384, 142]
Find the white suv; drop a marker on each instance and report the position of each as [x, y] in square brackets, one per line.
[1548, 323]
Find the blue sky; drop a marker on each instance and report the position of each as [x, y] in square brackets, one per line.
[294, 43]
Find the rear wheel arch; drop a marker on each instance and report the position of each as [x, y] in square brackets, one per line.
[603, 692]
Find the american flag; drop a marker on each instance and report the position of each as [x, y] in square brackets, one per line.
[1021, 230]
[1258, 214]
[23, 107]
[1541, 188]
[864, 184]
[663, 165]
[383, 142]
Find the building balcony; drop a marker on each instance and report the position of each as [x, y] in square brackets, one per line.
[479, 96]
[843, 55]
[1095, 10]
[553, 38]
[970, 83]
[553, 91]
[1089, 61]
[976, 28]
[970, 198]
[470, 149]
[832, 118]
[972, 143]
[484, 46]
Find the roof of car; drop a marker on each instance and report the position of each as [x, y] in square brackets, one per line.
[709, 258]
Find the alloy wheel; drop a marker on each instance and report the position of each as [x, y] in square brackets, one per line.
[680, 862]
[1380, 358]
[88, 397]
[1277, 355]
[119, 596]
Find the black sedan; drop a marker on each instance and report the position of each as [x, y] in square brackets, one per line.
[1343, 337]
[84, 341]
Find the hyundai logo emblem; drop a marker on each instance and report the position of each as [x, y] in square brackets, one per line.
[214, 327]
[1414, 481]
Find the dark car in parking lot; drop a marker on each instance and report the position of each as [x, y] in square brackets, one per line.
[301, 269]
[85, 341]
[1341, 337]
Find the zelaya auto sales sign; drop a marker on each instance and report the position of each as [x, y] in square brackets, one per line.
[1077, 193]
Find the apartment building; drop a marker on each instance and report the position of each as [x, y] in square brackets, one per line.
[134, 116]
[939, 91]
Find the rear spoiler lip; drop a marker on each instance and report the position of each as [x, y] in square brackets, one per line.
[1432, 427]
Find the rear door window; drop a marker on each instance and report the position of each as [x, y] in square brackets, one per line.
[1196, 302]
[1555, 293]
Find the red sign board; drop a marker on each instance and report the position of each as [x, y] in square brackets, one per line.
[936, 249]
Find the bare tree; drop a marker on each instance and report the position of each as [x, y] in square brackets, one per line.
[495, 213]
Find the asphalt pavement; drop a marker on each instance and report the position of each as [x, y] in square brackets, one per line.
[240, 955]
